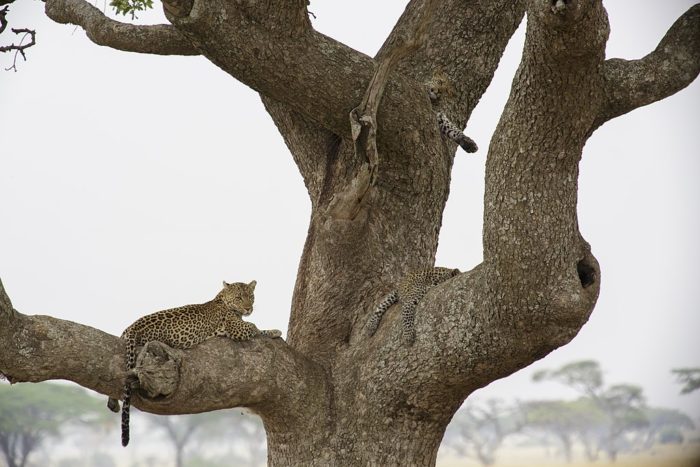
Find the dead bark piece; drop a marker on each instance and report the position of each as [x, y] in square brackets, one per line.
[347, 203]
[363, 118]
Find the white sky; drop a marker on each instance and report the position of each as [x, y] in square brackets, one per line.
[133, 183]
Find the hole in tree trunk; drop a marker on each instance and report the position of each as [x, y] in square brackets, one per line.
[586, 273]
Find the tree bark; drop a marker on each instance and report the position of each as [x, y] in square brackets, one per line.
[331, 395]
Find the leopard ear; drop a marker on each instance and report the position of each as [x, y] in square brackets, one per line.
[226, 284]
[252, 285]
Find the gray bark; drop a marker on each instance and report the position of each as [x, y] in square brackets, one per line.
[330, 395]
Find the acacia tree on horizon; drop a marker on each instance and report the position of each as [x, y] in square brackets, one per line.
[378, 182]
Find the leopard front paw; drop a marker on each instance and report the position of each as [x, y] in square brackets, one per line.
[273, 333]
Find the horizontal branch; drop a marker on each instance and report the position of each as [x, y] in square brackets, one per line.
[159, 39]
[264, 374]
[673, 65]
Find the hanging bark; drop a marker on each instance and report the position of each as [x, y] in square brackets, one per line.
[330, 395]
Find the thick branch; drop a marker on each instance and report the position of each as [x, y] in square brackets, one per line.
[159, 39]
[263, 374]
[673, 65]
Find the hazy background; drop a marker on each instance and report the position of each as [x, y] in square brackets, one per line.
[132, 183]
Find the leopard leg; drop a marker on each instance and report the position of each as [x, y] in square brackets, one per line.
[271, 333]
[451, 131]
[408, 313]
[376, 317]
[239, 330]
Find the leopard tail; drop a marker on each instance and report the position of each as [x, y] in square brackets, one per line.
[125, 414]
[130, 364]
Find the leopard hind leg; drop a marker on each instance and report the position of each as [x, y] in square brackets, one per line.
[408, 316]
[376, 317]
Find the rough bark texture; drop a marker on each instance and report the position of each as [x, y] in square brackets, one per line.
[330, 395]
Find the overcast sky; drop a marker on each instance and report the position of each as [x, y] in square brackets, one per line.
[133, 183]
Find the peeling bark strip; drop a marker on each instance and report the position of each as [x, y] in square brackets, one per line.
[363, 118]
[331, 396]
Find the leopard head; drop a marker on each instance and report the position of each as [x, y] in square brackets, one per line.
[238, 297]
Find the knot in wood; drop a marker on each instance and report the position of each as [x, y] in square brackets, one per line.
[157, 370]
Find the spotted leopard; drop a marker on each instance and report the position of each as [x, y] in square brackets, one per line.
[439, 86]
[411, 290]
[189, 325]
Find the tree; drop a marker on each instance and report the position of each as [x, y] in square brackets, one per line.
[663, 426]
[689, 378]
[478, 431]
[180, 431]
[566, 421]
[31, 413]
[184, 431]
[330, 395]
[622, 404]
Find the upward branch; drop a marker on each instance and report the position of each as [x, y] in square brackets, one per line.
[673, 65]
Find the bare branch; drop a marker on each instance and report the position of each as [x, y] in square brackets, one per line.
[19, 48]
[159, 39]
[672, 66]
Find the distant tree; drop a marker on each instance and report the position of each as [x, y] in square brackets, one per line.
[623, 404]
[584, 376]
[689, 378]
[565, 421]
[477, 431]
[663, 426]
[180, 431]
[249, 430]
[31, 413]
[183, 432]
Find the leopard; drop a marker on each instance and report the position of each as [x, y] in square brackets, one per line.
[186, 326]
[412, 288]
[438, 86]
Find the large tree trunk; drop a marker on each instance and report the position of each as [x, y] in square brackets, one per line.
[331, 395]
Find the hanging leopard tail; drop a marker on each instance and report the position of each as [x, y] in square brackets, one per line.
[376, 316]
[125, 414]
[130, 364]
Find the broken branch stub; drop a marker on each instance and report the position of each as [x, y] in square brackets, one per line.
[157, 370]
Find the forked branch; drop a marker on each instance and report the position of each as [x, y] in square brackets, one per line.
[158, 39]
